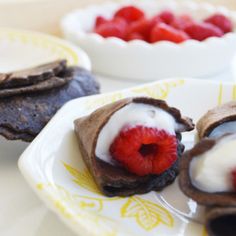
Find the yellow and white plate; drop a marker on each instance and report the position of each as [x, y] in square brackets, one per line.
[53, 166]
[21, 213]
[22, 49]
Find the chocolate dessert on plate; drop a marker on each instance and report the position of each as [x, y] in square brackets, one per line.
[29, 98]
[208, 170]
[132, 146]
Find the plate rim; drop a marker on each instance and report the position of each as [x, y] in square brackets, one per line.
[79, 56]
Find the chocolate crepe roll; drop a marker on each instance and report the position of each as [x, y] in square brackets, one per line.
[218, 121]
[111, 176]
[198, 152]
[208, 176]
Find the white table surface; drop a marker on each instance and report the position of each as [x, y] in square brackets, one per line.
[21, 212]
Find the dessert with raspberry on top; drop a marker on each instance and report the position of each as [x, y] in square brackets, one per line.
[132, 146]
[130, 23]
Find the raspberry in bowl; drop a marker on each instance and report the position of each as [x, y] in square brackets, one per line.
[152, 40]
[130, 23]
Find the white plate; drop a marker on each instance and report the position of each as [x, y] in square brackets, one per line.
[22, 49]
[53, 167]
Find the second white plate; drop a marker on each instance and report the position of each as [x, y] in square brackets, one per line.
[21, 49]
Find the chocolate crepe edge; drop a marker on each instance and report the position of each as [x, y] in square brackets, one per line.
[44, 85]
[32, 75]
[221, 221]
[186, 121]
[215, 117]
[11, 134]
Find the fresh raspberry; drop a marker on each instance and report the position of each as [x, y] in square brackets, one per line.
[233, 174]
[133, 36]
[167, 16]
[163, 31]
[202, 31]
[100, 20]
[144, 150]
[221, 21]
[113, 28]
[130, 13]
[140, 27]
[182, 22]
[155, 20]
[121, 22]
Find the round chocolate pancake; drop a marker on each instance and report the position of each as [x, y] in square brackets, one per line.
[32, 75]
[50, 83]
[24, 114]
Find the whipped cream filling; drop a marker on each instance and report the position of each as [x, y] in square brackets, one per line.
[211, 172]
[226, 127]
[132, 115]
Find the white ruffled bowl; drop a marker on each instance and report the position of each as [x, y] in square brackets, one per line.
[140, 60]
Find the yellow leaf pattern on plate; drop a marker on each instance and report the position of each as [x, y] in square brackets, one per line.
[57, 48]
[62, 208]
[204, 232]
[74, 200]
[112, 233]
[234, 93]
[103, 100]
[90, 203]
[158, 91]
[220, 95]
[71, 206]
[83, 179]
[146, 213]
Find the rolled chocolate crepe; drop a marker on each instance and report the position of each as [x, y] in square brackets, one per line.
[218, 121]
[210, 184]
[29, 98]
[186, 184]
[32, 75]
[114, 180]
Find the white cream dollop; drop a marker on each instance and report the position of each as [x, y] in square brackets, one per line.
[132, 115]
[211, 172]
